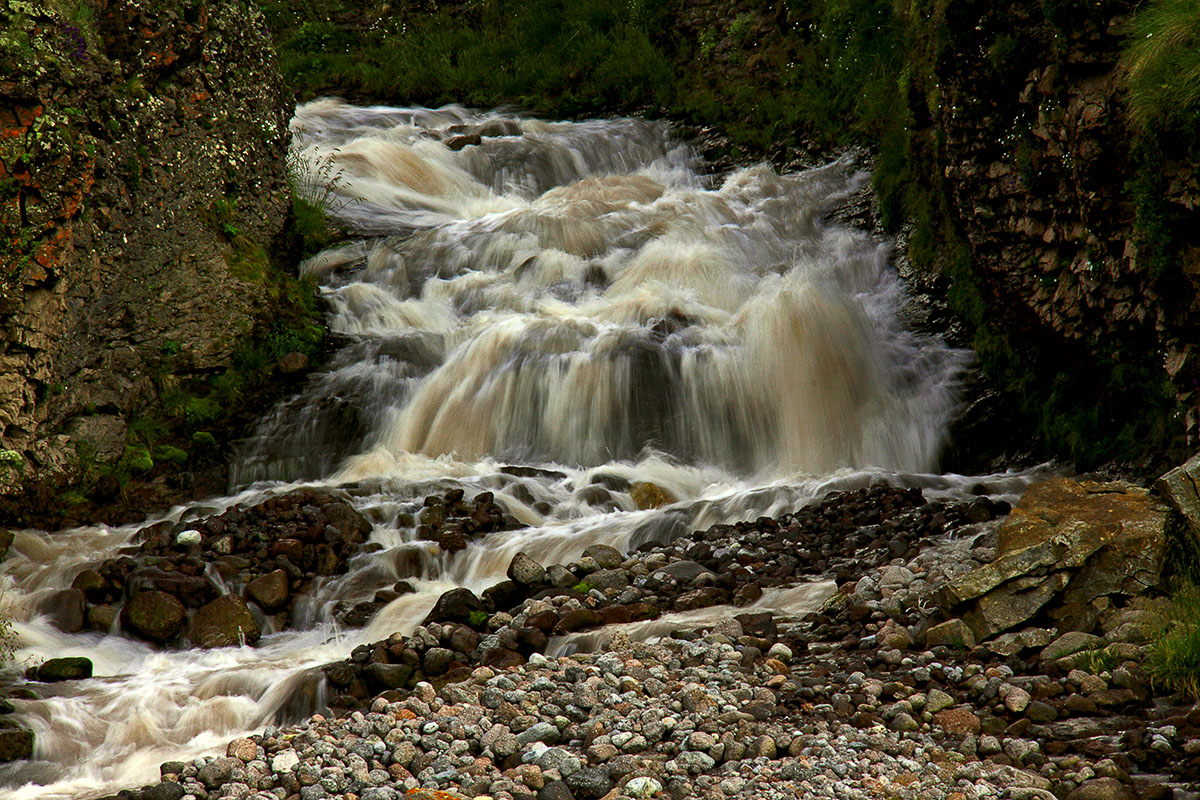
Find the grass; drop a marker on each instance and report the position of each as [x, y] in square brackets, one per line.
[1174, 658]
[1161, 63]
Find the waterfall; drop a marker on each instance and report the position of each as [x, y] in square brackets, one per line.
[549, 311]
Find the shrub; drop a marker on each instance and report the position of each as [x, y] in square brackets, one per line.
[1174, 659]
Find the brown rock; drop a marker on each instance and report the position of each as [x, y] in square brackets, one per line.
[1102, 789]
[153, 615]
[649, 495]
[270, 591]
[224, 622]
[958, 721]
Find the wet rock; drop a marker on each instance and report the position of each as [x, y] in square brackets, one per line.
[16, 744]
[270, 591]
[225, 622]
[64, 669]
[649, 495]
[66, 609]
[456, 605]
[153, 615]
[167, 790]
[578, 620]
[524, 570]
[606, 556]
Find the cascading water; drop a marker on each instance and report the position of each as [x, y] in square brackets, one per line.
[572, 298]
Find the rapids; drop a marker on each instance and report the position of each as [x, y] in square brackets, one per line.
[575, 297]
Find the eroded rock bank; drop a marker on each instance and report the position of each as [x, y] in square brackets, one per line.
[142, 184]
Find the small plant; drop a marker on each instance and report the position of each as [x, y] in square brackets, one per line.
[583, 587]
[12, 460]
[477, 619]
[1174, 658]
[1103, 659]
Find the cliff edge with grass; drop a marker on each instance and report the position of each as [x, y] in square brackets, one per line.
[143, 198]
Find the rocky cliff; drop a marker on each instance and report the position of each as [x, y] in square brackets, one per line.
[141, 179]
[1083, 274]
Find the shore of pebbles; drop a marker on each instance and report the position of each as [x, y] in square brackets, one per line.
[870, 696]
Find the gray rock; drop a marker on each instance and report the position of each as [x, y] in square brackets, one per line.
[167, 790]
[524, 570]
[607, 557]
[1070, 643]
[217, 772]
[561, 760]
[590, 783]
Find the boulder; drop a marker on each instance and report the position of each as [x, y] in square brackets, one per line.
[270, 591]
[65, 669]
[15, 744]
[607, 557]
[224, 622]
[153, 615]
[66, 609]
[1066, 548]
[456, 605]
[524, 570]
[647, 495]
[1181, 489]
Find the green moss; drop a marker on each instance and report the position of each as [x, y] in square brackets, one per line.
[171, 455]
[137, 459]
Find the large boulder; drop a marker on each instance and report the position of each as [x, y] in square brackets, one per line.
[1068, 549]
[224, 622]
[153, 615]
[270, 591]
[650, 495]
[456, 605]
[1181, 489]
[71, 668]
[15, 744]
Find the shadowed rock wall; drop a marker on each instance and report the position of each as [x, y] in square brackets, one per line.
[141, 174]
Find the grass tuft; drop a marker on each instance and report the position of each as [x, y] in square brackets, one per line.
[1162, 65]
[1174, 658]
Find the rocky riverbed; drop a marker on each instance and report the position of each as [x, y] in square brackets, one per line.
[668, 672]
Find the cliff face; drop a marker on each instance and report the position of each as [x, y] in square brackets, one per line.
[141, 173]
[1083, 234]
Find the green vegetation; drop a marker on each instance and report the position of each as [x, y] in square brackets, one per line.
[1162, 66]
[477, 619]
[1174, 658]
[583, 587]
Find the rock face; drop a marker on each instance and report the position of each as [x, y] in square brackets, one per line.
[142, 166]
[1181, 489]
[1041, 170]
[1079, 543]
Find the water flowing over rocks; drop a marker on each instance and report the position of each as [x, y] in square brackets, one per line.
[186, 576]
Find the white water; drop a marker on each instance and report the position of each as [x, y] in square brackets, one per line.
[572, 296]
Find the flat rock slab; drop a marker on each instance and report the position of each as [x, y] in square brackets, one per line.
[1065, 547]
